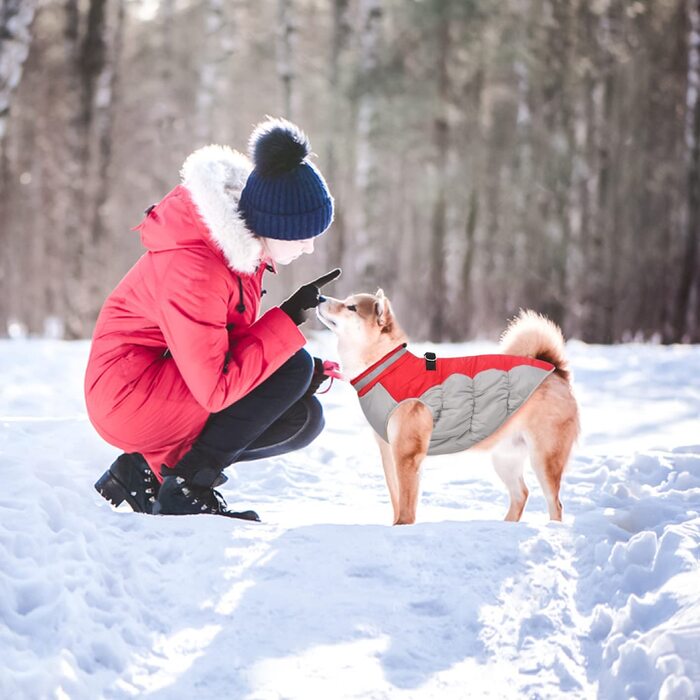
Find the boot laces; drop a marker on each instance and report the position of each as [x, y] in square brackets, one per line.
[215, 502]
[210, 499]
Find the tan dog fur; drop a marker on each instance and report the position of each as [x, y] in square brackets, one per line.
[545, 427]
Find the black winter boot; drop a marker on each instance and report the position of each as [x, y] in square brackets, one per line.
[180, 497]
[129, 479]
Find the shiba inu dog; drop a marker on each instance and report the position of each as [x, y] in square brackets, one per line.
[515, 404]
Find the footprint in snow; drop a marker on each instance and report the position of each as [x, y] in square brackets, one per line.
[371, 572]
[430, 608]
[535, 627]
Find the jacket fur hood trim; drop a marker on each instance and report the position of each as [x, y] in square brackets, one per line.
[215, 177]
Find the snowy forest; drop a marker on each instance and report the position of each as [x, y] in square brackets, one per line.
[484, 155]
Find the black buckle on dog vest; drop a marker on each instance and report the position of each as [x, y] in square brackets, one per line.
[430, 361]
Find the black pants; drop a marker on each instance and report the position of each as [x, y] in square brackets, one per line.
[274, 418]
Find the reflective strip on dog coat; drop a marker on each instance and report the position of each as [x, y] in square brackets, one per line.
[468, 397]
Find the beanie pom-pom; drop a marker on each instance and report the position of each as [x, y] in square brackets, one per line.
[278, 146]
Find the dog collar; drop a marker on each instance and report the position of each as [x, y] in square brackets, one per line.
[361, 381]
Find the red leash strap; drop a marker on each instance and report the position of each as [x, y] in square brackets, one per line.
[325, 391]
[332, 370]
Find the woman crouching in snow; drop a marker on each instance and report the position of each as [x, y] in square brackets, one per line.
[183, 375]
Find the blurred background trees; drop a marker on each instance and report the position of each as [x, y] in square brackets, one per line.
[484, 155]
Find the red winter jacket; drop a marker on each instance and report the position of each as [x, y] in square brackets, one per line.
[180, 338]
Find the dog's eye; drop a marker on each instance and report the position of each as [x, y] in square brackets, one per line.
[351, 307]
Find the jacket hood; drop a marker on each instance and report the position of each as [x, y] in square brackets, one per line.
[212, 180]
[215, 177]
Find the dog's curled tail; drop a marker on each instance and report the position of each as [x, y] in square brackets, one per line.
[530, 334]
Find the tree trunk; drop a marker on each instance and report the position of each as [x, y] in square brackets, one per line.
[165, 112]
[16, 18]
[15, 38]
[368, 243]
[108, 84]
[468, 263]
[217, 48]
[73, 222]
[341, 35]
[597, 199]
[4, 242]
[105, 108]
[471, 145]
[285, 55]
[562, 37]
[683, 324]
[437, 280]
[603, 304]
[89, 58]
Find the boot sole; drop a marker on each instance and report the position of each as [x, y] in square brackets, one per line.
[249, 515]
[114, 491]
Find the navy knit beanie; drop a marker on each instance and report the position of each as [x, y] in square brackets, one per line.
[285, 196]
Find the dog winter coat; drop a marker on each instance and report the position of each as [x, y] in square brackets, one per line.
[180, 338]
[468, 397]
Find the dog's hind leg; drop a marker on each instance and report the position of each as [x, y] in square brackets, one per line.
[508, 458]
[549, 453]
[392, 481]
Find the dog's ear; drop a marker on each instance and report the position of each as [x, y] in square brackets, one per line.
[384, 313]
[380, 293]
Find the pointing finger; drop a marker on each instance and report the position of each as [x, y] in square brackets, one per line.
[328, 277]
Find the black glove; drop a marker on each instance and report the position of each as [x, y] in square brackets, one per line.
[317, 378]
[307, 297]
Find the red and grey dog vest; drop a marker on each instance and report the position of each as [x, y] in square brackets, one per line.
[468, 397]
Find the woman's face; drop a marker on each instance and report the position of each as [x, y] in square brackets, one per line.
[284, 252]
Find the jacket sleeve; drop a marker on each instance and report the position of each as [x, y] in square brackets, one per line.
[193, 307]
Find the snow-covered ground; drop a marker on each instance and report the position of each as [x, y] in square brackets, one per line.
[324, 599]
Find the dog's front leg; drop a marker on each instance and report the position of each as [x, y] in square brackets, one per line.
[389, 473]
[409, 430]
